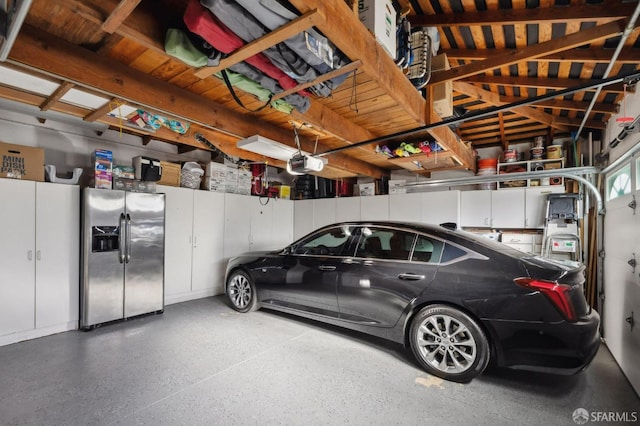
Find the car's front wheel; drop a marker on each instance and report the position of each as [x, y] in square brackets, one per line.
[448, 343]
[241, 292]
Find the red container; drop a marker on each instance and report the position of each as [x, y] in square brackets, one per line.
[487, 163]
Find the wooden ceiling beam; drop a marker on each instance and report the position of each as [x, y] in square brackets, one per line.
[40, 50]
[610, 9]
[569, 105]
[346, 31]
[628, 55]
[560, 44]
[119, 14]
[65, 86]
[539, 83]
[489, 97]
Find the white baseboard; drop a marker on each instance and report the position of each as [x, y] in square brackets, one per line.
[170, 299]
[21, 336]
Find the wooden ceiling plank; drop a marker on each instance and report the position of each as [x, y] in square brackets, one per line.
[531, 52]
[349, 35]
[570, 105]
[56, 95]
[296, 26]
[120, 13]
[40, 50]
[104, 110]
[609, 10]
[542, 83]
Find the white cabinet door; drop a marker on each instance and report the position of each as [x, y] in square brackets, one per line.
[302, 218]
[440, 207]
[475, 208]
[237, 231]
[261, 226]
[405, 207]
[17, 256]
[374, 207]
[207, 271]
[536, 205]
[178, 238]
[507, 208]
[282, 223]
[347, 209]
[324, 212]
[57, 254]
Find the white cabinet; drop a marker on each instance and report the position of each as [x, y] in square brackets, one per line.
[440, 206]
[507, 208]
[207, 268]
[374, 207]
[475, 208]
[405, 207]
[282, 223]
[17, 256]
[237, 230]
[347, 209]
[303, 218]
[194, 229]
[178, 247]
[39, 259]
[513, 208]
[57, 255]
[324, 212]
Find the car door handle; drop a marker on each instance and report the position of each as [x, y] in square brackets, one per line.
[411, 277]
[350, 261]
[327, 268]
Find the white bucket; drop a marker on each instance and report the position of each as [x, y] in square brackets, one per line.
[487, 172]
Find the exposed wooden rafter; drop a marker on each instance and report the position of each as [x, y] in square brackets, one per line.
[567, 42]
[612, 10]
[120, 13]
[55, 96]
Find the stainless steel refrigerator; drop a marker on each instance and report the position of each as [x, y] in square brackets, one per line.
[123, 255]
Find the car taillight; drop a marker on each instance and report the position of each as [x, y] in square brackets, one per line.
[558, 294]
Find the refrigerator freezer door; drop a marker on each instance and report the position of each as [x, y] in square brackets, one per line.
[103, 273]
[144, 265]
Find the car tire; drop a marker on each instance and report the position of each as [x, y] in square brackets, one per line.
[241, 292]
[466, 352]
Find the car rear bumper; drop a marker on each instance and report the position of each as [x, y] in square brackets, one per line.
[561, 348]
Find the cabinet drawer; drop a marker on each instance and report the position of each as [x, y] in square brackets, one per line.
[516, 238]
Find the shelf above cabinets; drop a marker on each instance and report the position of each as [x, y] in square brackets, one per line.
[531, 166]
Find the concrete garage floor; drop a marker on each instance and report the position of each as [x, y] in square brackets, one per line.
[200, 363]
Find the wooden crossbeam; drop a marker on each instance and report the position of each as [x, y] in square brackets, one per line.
[328, 76]
[119, 14]
[290, 29]
[628, 55]
[55, 96]
[104, 109]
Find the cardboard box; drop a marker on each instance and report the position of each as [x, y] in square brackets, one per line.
[125, 172]
[397, 187]
[21, 162]
[213, 183]
[379, 16]
[170, 174]
[285, 192]
[102, 180]
[367, 189]
[442, 92]
[102, 160]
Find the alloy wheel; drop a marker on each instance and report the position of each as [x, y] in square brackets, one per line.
[239, 291]
[446, 344]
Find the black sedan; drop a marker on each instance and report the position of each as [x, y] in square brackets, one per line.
[457, 299]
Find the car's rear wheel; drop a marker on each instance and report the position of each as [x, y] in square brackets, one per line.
[241, 292]
[448, 343]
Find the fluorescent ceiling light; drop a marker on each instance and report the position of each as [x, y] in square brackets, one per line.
[268, 148]
[83, 99]
[26, 82]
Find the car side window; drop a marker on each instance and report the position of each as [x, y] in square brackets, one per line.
[331, 242]
[427, 250]
[383, 243]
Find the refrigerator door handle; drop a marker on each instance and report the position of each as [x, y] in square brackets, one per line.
[128, 255]
[121, 248]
